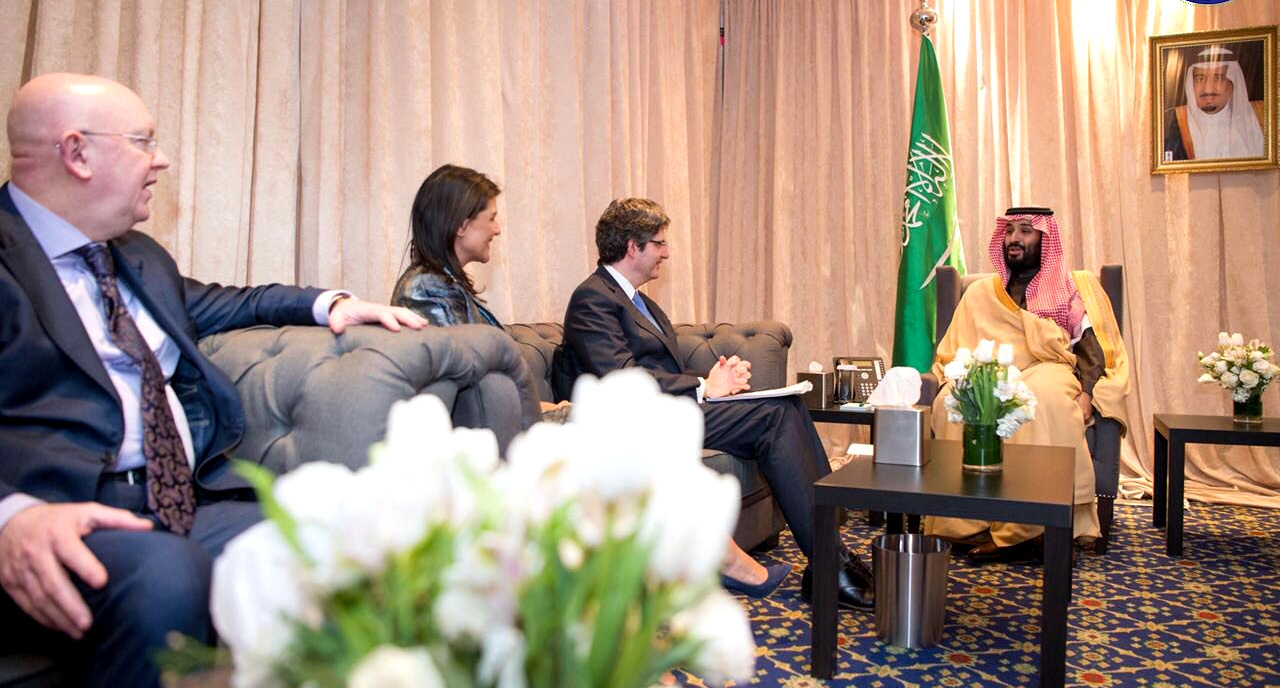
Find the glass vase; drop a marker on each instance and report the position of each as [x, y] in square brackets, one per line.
[983, 448]
[1247, 412]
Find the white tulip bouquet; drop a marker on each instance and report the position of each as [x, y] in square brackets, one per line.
[1242, 369]
[987, 389]
[588, 559]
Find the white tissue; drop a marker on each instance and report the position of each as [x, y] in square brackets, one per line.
[900, 387]
[815, 367]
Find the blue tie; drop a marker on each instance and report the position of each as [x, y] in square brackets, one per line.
[639, 302]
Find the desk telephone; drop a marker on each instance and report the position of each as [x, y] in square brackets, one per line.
[866, 372]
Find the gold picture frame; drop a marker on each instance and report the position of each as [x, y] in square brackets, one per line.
[1176, 82]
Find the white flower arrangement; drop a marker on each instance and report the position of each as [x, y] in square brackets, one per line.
[1243, 369]
[987, 389]
[589, 559]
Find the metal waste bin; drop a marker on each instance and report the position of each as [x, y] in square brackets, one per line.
[911, 588]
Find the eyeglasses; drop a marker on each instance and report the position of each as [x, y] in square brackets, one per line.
[143, 143]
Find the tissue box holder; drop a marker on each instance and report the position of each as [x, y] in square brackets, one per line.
[901, 435]
[824, 389]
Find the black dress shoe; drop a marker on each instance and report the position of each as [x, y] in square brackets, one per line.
[961, 546]
[853, 581]
[1025, 552]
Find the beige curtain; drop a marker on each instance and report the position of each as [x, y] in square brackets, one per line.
[1049, 105]
[567, 105]
[299, 132]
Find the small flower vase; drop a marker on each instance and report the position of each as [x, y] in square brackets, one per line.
[1247, 412]
[983, 448]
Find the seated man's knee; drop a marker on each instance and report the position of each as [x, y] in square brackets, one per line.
[157, 583]
[788, 407]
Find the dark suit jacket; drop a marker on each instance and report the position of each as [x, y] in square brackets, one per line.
[604, 331]
[60, 418]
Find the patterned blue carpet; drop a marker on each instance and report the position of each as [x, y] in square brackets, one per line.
[1137, 616]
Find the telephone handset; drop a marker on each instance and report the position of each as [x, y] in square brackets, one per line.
[863, 374]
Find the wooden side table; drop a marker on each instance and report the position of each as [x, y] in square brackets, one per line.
[1036, 487]
[1173, 433]
[862, 416]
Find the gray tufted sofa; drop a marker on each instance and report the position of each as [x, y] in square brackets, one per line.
[765, 344]
[309, 395]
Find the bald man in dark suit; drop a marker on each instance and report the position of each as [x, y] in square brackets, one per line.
[115, 489]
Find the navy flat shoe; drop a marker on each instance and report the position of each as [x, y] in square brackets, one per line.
[776, 574]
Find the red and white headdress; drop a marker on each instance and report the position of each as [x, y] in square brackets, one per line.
[1051, 293]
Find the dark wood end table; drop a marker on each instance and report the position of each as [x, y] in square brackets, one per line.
[1035, 487]
[1173, 433]
[833, 414]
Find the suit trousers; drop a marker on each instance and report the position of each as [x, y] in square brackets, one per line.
[779, 435]
[157, 583]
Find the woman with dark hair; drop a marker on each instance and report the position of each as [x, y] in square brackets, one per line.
[454, 219]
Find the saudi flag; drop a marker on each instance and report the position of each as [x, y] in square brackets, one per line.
[929, 236]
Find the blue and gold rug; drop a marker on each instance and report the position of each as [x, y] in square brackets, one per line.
[1137, 616]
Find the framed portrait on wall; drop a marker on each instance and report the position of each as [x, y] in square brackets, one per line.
[1214, 96]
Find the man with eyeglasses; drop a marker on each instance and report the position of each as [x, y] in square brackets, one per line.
[115, 490]
[610, 325]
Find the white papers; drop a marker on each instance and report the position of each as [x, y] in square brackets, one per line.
[798, 388]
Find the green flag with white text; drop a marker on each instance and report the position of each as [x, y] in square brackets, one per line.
[929, 237]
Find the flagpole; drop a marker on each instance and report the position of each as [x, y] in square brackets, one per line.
[929, 237]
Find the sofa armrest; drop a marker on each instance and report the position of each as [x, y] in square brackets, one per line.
[310, 395]
[537, 343]
[766, 344]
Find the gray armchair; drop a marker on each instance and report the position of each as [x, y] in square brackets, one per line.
[765, 344]
[1103, 437]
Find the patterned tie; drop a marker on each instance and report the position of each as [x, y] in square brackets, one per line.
[639, 302]
[170, 495]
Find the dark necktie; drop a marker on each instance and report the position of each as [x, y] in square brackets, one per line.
[170, 495]
[644, 309]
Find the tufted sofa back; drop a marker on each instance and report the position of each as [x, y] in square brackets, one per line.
[765, 343]
[309, 395]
